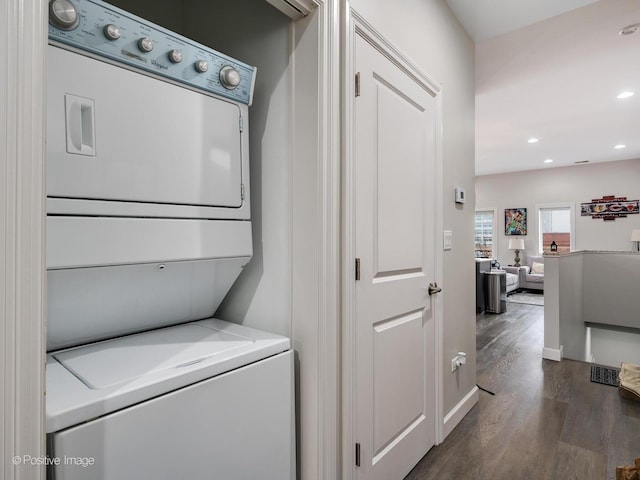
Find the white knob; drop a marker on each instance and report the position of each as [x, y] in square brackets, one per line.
[63, 14]
[145, 44]
[175, 56]
[229, 77]
[111, 31]
[201, 66]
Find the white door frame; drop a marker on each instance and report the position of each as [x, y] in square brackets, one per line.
[354, 24]
[316, 265]
[316, 241]
[22, 225]
[315, 336]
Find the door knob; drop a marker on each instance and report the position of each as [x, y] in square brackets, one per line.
[434, 288]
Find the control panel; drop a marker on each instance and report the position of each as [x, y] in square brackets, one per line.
[106, 31]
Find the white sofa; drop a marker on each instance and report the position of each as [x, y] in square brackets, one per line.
[526, 278]
[513, 280]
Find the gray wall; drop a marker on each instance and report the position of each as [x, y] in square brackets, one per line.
[166, 13]
[610, 285]
[597, 288]
[577, 184]
[258, 34]
[429, 34]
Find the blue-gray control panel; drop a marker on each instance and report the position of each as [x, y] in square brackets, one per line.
[107, 31]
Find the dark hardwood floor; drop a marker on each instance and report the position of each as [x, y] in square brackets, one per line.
[546, 421]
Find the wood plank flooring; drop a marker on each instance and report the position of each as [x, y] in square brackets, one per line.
[547, 420]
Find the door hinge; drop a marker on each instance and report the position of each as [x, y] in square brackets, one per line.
[357, 269]
[241, 121]
[242, 191]
[358, 84]
[357, 454]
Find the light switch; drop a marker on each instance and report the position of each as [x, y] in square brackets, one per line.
[448, 239]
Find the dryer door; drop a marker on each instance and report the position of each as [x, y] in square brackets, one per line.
[113, 134]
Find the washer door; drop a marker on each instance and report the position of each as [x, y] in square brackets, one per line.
[113, 134]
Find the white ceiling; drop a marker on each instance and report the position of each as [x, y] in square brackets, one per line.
[553, 75]
[484, 19]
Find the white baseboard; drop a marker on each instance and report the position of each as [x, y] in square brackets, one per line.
[554, 354]
[458, 412]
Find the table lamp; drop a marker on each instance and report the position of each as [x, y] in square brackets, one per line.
[516, 244]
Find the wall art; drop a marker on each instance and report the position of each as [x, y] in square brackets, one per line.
[609, 208]
[515, 221]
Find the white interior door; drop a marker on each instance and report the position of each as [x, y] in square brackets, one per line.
[394, 212]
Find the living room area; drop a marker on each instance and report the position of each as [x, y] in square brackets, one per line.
[583, 429]
[558, 173]
[556, 213]
[551, 201]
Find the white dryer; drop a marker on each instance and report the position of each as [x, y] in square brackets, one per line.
[148, 227]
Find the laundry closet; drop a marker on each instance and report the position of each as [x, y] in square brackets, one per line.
[169, 240]
[259, 34]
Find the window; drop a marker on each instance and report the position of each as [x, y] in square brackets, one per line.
[555, 225]
[485, 234]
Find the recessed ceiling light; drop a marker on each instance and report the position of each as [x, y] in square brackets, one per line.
[626, 94]
[619, 146]
[629, 30]
[548, 160]
[533, 140]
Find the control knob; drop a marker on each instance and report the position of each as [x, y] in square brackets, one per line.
[201, 66]
[145, 44]
[175, 56]
[63, 14]
[229, 77]
[111, 31]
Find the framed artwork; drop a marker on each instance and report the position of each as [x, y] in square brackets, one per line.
[610, 207]
[515, 221]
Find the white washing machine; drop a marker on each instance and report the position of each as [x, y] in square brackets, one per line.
[148, 227]
[206, 399]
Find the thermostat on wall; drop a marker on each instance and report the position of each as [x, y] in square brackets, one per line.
[460, 195]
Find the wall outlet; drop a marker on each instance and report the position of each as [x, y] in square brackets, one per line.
[458, 361]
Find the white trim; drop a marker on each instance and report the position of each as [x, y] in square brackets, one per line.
[572, 218]
[22, 71]
[353, 23]
[457, 413]
[348, 247]
[329, 259]
[554, 354]
[24, 322]
[315, 240]
[439, 262]
[384, 46]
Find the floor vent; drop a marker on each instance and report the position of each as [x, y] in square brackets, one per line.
[605, 375]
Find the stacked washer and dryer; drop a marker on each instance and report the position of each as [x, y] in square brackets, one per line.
[148, 227]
